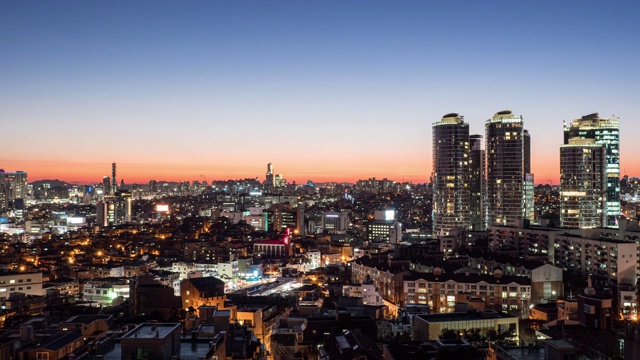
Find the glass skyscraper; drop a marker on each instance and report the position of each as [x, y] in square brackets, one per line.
[605, 132]
[450, 176]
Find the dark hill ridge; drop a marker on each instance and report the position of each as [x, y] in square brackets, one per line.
[52, 183]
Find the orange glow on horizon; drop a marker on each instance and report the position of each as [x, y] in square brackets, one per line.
[416, 170]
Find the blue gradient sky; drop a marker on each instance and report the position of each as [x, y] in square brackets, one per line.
[325, 90]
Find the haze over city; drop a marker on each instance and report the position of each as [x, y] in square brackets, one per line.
[328, 91]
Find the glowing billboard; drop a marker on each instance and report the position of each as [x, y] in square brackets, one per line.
[162, 208]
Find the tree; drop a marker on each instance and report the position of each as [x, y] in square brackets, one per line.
[491, 334]
[448, 334]
[174, 315]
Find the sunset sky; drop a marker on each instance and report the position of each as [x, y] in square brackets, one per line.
[324, 90]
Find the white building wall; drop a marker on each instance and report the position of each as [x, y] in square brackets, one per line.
[27, 283]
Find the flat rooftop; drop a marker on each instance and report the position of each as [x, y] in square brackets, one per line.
[188, 350]
[524, 353]
[152, 330]
[465, 316]
[560, 344]
[86, 319]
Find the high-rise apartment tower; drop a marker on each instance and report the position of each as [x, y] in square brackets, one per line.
[582, 184]
[477, 184]
[605, 132]
[508, 169]
[451, 174]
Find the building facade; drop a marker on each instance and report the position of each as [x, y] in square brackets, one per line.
[582, 184]
[208, 291]
[386, 274]
[159, 341]
[26, 283]
[477, 184]
[605, 132]
[105, 292]
[13, 185]
[613, 260]
[430, 326]
[508, 164]
[451, 174]
[335, 222]
[442, 291]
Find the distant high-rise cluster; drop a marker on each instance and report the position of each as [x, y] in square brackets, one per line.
[13, 186]
[476, 187]
[269, 180]
[116, 205]
[272, 179]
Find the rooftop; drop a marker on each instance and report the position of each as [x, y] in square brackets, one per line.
[152, 330]
[469, 278]
[560, 344]
[192, 350]
[61, 341]
[206, 283]
[86, 319]
[465, 316]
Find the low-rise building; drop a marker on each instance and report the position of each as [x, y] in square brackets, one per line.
[159, 341]
[272, 248]
[430, 326]
[595, 310]
[26, 283]
[386, 273]
[367, 291]
[105, 292]
[154, 301]
[613, 260]
[90, 326]
[350, 345]
[442, 291]
[63, 286]
[261, 320]
[56, 347]
[208, 291]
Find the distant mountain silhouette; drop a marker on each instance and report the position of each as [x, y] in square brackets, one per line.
[52, 183]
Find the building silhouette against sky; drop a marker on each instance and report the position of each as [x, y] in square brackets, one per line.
[509, 178]
[605, 132]
[450, 174]
[269, 180]
[114, 182]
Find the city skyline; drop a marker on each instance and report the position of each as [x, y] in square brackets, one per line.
[332, 91]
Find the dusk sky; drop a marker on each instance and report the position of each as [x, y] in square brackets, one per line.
[324, 90]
